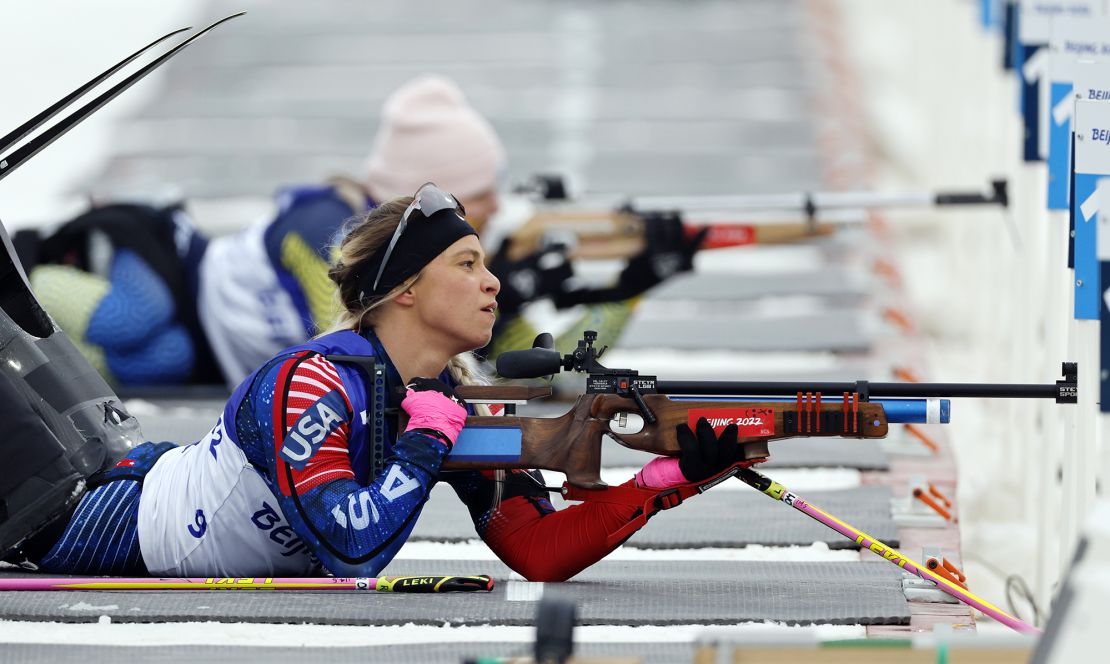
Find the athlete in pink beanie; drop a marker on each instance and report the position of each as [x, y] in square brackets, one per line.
[430, 116]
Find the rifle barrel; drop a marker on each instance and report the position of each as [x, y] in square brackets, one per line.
[907, 390]
[817, 202]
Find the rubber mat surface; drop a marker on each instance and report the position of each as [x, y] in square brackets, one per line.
[433, 653]
[714, 519]
[829, 282]
[839, 331]
[616, 593]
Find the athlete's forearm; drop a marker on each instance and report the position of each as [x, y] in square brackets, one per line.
[554, 546]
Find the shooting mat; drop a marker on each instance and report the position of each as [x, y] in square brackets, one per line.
[827, 282]
[609, 593]
[427, 653]
[836, 331]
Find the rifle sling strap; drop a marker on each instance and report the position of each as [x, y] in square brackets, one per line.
[649, 501]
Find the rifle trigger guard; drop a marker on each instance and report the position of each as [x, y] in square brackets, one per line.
[645, 410]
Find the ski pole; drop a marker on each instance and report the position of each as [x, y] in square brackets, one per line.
[384, 584]
[777, 491]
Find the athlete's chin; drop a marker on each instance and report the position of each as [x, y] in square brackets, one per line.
[479, 338]
[484, 339]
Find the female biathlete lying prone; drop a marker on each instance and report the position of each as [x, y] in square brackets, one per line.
[295, 475]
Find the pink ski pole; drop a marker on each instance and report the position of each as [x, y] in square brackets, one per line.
[385, 584]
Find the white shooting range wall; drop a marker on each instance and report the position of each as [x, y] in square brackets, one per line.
[996, 295]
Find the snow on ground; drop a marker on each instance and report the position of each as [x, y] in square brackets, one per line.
[475, 550]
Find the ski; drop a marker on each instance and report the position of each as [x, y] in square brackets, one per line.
[34, 123]
[33, 147]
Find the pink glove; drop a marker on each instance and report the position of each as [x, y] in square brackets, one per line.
[434, 408]
[660, 473]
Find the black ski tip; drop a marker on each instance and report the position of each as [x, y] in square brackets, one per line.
[34, 146]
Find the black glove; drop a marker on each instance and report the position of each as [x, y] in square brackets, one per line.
[420, 384]
[537, 276]
[667, 252]
[706, 455]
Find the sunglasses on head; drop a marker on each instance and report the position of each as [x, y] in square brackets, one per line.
[428, 200]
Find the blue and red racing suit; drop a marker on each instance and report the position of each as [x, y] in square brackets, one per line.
[284, 483]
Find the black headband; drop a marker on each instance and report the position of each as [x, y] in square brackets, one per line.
[420, 242]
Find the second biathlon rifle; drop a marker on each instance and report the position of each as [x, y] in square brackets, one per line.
[615, 228]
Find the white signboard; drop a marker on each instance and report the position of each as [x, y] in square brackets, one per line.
[1035, 16]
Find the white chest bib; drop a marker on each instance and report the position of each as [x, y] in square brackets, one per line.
[206, 511]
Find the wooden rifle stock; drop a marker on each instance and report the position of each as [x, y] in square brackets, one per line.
[571, 443]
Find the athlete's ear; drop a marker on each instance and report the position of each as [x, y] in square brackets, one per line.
[406, 298]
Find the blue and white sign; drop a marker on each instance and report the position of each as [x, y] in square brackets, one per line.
[1092, 161]
[1082, 38]
[1070, 80]
[1073, 40]
[1036, 16]
[1090, 82]
[1035, 27]
[1063, 71]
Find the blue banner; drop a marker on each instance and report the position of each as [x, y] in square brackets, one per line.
[1085, 209]
[1104, 343]
[1009, 33]
[1030, 104]
[1059, 149]
[990, 14]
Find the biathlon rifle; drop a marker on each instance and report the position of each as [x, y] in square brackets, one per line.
[641, 412]
[616, 229]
